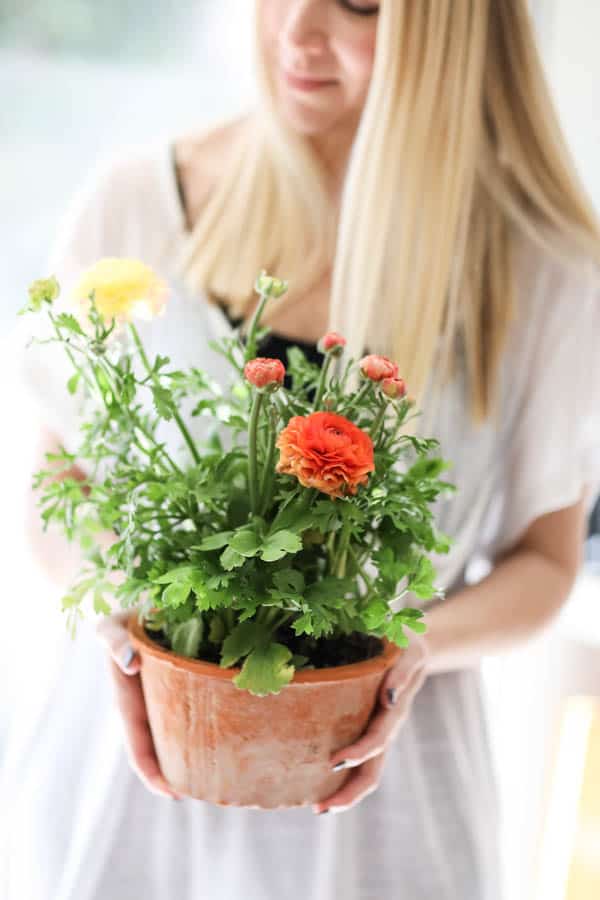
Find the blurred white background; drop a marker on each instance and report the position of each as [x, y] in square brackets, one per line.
[78, 80]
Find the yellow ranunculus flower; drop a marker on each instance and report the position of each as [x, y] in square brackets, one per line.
[123, 288]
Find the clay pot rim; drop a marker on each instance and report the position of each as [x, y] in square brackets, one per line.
[381, 662]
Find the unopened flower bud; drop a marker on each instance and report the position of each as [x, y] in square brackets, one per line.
[269, 285]
[393, 388]
[44, 290]
[265, 373]
[378, 367]
[332, 343]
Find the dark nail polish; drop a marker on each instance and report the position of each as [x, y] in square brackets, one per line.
[322, 811]
[127, 657]
[338, 766]
[392, 695]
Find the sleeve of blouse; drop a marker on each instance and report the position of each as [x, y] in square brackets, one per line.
[91, 227]
[553, 452]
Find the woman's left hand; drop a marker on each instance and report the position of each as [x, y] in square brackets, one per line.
[367, 755]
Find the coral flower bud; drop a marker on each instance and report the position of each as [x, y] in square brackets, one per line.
[332, 342]
[263, 372]
[393, 387]
[378, 367]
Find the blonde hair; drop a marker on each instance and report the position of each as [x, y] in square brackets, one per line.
[458, 155]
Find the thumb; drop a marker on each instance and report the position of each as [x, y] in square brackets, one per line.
[113, 632]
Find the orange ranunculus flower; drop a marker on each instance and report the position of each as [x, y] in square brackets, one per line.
[327, 452]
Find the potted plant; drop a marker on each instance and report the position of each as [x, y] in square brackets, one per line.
[261, 566]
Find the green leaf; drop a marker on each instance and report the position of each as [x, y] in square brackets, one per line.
[394, 631]
[180, 574]
[187, 637]
[176, 594]
[215, 541]
[330, 590]
[443, 544]
[246, 542]
[409, 613]
[231, 559]
[280, 544]
[319, 617]
[422, 583]
[73, 382]
[374, 614]
[419, 627]
[289, 582]
[68, 321]
[242, 640]
[163, 402]
[100, 604]
[427, 468]
[295, 517]
[266, 670]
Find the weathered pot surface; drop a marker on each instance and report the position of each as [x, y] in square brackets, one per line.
[219, 743]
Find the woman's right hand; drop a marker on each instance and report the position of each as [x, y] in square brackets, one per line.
[130, 698]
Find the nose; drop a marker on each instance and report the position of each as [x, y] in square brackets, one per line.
[304, 31]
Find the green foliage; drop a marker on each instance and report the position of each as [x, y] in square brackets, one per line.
[210, 563]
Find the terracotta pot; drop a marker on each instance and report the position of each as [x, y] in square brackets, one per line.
[219, 743]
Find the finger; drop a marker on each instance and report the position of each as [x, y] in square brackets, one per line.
[138, 736]
[399, 676]
[113, 632]
[382, 727]
[359, 784]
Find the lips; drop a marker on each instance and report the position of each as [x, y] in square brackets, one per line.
[304, 82]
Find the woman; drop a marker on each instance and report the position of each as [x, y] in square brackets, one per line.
[421, 200]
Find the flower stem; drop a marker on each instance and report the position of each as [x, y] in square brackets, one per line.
[70, 355]
[267, 479]
[180, 423]
[361, 394]
[322, 380]
[342, 550]
[368, 581]
[251, 348]
[253, 451]
[110, 371]
[377, 425]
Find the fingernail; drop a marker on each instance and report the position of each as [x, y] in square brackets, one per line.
[392, 694]
[127, 656]
[338, 766]
[322, 811]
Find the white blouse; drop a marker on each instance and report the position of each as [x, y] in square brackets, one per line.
[84, 827]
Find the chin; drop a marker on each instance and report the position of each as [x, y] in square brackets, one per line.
[306, 120]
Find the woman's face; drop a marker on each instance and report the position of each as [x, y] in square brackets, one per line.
[330, 41]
